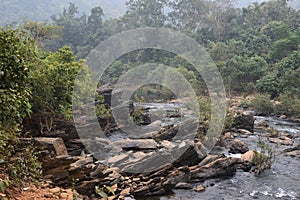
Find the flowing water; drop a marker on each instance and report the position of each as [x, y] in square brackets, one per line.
[281, 182]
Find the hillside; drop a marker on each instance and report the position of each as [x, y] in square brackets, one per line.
[38, 10]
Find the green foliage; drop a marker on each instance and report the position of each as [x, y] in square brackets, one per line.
[138, 114]
[137, 16]
[244, 104]
[204, 109]
[289, 105]
[269, 84]
[4, 184]
[246, 71]
[101, 109]
[16, 57]
[264, 158]
[74, 196]
[25, 167]
[53, 80]
[229, 120]
[262, 105]
[105, 191]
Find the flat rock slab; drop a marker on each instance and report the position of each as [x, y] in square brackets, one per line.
[118, 159]
[141, 144]
[56, 144]
[281, 141]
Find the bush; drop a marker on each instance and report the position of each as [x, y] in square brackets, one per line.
[17, 53]
[244, 104]
[52, 83]
[264, 158]
[262, 105]
[289, 105]
[24, 166]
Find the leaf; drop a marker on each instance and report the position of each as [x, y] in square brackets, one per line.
[103, 194]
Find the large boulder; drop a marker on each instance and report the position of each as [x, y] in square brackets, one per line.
[244, 120]
[237, 146]
[248, 157]
[222, 167]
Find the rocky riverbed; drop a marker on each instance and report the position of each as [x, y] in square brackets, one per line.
[282, 181]
[225, 173]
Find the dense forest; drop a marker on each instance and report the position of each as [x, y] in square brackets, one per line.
[256, 49]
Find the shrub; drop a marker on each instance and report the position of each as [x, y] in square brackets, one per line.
[289, 105]
[264, 158]
[17, 53]
[52, 83]
[244, 104]
[262, 105]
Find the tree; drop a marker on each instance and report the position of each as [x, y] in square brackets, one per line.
[188, 14]
[73, 32]
[246, 71]
[41, 32]
[52, 83]
[141, 13]
[195, 15]
[16, 57]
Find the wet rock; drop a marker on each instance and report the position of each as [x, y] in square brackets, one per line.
[194, 153]
[245, 132]
[129, 144]
[167, 133]
[293, 152]
[167, 144]
[283, 140]
[184, 186]
[237, 146]
[244, 120]
[209, 159]
[227, 135]
[199, 188]
[221, 167]
[248, 157]
[262, 125]
[118, 159]
[283, 117]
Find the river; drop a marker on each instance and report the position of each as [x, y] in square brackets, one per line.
[282, 181]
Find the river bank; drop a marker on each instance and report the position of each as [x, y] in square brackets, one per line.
[221, 173]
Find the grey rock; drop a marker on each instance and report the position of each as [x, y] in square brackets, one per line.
[237, 146]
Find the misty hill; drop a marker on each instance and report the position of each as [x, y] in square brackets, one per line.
[40, 10]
